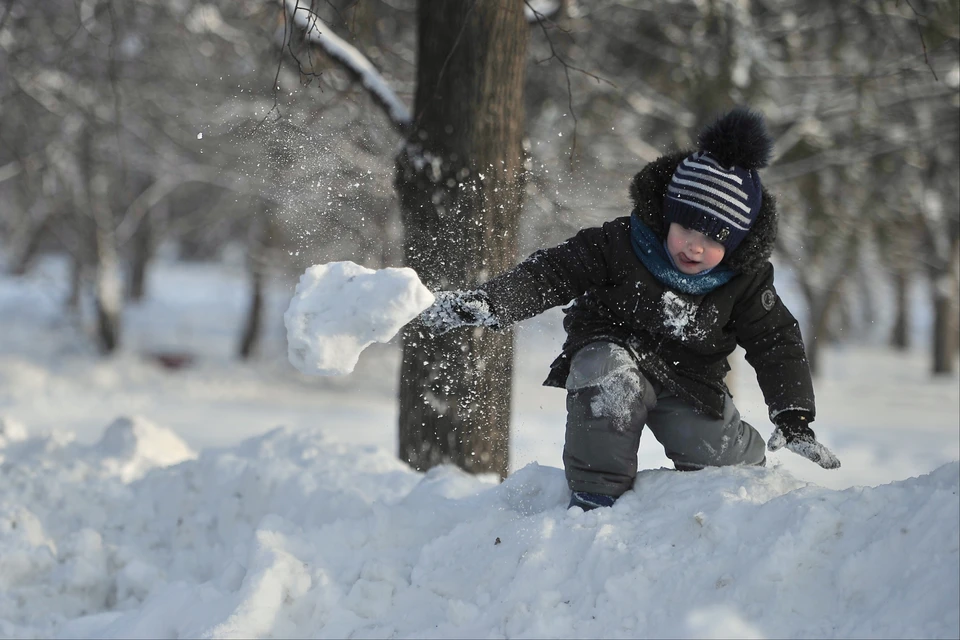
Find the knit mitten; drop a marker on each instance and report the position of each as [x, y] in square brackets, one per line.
[794, 432]
[453, 309]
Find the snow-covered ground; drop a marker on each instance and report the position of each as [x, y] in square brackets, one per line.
[247, 500]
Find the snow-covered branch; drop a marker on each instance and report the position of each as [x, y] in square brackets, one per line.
[537, 10]
[351, 60]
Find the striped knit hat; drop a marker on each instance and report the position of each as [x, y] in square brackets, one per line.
[717, 190]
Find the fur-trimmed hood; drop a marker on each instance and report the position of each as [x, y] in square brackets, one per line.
[649, 188]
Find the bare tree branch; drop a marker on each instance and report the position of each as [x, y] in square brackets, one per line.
[923, 43]
[287, 33]
[566, 71]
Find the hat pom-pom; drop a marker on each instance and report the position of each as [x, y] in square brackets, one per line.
[738, 138]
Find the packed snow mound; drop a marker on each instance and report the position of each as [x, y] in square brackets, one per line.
[288, 535]
[129, 448]
[340, 308]
[135, 445]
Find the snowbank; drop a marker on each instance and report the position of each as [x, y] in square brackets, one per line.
[290, 535]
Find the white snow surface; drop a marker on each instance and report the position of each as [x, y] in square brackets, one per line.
[340, 308]
[288, 535]
[138, 501]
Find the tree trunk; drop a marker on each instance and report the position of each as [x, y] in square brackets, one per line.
[900, 336]
[866, 311]
[142, 250]
[946, 324]
[259, 243]
[460, 179]
[108, 295]
[812, 338]
[26, 240]
[107, 288]
[821, 305]
[251, 329]
[142, 238]
[76, 283]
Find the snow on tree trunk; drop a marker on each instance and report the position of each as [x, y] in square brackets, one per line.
[460, 178]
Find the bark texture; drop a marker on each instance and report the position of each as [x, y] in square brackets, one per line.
[460, 179]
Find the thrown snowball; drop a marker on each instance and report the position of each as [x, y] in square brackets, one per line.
[340, 308]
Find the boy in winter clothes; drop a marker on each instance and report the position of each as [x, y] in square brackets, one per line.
[660, 299]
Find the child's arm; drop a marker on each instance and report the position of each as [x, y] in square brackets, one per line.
[548, 278]
[770, 336]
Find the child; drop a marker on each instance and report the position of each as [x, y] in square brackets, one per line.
[660, 300]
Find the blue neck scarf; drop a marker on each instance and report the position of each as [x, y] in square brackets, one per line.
[654, 256]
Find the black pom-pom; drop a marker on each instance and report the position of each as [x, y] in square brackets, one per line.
[738, 138]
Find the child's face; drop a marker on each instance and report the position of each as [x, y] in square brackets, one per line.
[692, 251]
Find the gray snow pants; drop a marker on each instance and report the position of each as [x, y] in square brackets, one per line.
[608, 403]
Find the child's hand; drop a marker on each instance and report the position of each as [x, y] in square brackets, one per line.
[793, 432]
[454, 309]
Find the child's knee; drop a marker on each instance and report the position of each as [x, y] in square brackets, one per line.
[608, 378]
[597, 362]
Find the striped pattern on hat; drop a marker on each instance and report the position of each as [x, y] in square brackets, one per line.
[720, 202]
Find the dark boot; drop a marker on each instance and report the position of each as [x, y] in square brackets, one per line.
[588, 501]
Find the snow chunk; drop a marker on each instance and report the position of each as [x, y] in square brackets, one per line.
[133, 446]
[340, 308]
[678, 314]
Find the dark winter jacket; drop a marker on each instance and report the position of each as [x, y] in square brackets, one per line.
[681, 341]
